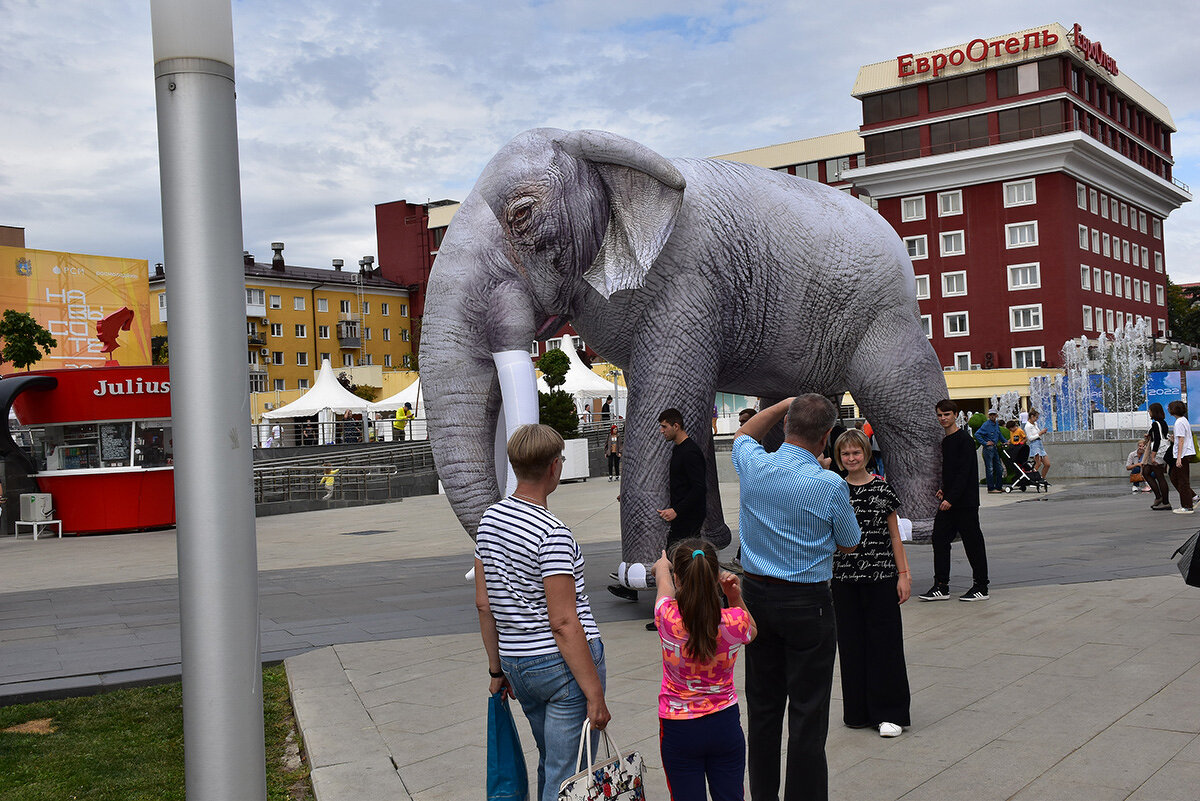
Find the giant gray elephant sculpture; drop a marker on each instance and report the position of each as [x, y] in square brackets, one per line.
[692, 276]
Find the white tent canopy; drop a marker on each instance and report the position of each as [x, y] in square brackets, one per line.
[584, 385]
[326, 395]
[410, 394]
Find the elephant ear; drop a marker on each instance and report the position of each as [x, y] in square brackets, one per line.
[645, 192]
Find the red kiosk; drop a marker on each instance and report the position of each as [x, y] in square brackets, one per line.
[100, 444]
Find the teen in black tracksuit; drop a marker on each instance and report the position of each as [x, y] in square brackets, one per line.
[958, 514]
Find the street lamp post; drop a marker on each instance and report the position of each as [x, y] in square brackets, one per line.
[210, 403]
[613, 374]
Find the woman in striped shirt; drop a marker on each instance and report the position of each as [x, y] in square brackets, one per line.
[542, 643]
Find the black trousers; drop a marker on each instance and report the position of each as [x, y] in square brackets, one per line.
[960, 521]
[614, 465]
[870, 637]
[789, 666]
[1181, 478]
[1156, 477]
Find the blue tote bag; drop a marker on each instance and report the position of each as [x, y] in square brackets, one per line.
[507, 779]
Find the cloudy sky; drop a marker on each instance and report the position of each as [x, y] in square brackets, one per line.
[342, 105]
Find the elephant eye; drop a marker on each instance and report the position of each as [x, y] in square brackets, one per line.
[520, 215]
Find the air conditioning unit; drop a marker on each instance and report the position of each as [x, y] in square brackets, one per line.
[265, 321]
[264, 352]
[976, 366]
[36, 507]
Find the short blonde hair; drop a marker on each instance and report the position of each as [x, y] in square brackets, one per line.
[851, 436]
[532, 448]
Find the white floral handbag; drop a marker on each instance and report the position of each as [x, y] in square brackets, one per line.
[614, 777]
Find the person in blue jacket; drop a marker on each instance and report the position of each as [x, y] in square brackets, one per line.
[988, 435]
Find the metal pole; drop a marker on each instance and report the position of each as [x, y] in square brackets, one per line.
[202, 242]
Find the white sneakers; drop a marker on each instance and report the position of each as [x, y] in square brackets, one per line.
[1182, 511]
[889, 730]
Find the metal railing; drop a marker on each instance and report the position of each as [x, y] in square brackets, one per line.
[304, 483]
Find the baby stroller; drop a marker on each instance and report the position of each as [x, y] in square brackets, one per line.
[1017, 460]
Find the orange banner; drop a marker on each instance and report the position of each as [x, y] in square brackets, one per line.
[67, 293]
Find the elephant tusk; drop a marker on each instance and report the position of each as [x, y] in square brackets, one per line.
[519, 405]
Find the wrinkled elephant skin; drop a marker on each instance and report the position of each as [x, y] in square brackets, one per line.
[691, 275]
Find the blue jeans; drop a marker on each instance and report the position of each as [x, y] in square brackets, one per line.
[993, 468]
[555, 708]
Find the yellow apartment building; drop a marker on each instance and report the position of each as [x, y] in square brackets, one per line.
[298, 316]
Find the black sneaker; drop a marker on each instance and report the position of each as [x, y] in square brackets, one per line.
[976, 593]
[936, 593]
[624, 593]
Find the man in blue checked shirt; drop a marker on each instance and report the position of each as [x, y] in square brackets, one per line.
[794, 515]
[988, 435]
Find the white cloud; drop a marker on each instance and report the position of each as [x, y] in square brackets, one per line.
[345, 105]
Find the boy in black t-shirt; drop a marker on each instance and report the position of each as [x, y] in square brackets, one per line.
[958, 513]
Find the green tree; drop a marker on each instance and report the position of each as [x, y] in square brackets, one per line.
[556, 407]
[25, 341]
[1183, 313]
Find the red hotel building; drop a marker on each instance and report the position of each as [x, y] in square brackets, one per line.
[1030, 179]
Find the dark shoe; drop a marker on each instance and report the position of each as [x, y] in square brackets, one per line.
[1161, 507]
[936, 593]
[651, 626]
[624, 593]
[976, 593]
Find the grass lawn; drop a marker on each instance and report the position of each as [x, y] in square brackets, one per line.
[127, 745]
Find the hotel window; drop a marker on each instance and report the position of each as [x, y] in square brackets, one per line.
[811, 170]
[322, 304]
[277, 357]
[1146, 291]
[962, 360]
[403, 309]
[1161, 327]
[954, 284]
[950, 203]
[322, 332]
[889, 106]
[366, 332]
[403, 334]
[1124, 214]
[1115, 209]
[1108, 317]
[1025, 318]
[1083, 237]
[1099, 319]
[301, 330]
[1157, 227]
[258, 382]
[344, 306]
[1105, 245]
[383, 309]
[927, 325]
[1117, 286]
[1095, 241]
[366, 307]
[1158, 295]
[1158, 263]
[302, 359]
[324, 358]
[1093, 201]
[366, 359]
[912, 208]
[1026, 276]
[253, 356]
[1128, 287]
[387, 360]
[916, 246]
[959, 134]
[1081, 196]
[1107, 282]
[1137, 262]
[1096, 283]
[298, 302]
[1142, 221]
[922, 287]
[387, 335]
[255, 297]
[952, 243]
[956, 324]
[965, 91]
[1137, 290]
[276, 329]
[406, 360]
[1125, 251]
[1087, 318]
[302, 383]
[1145, 258]
[1104, 205]
[1128, 319]
[1085, 277]
[1021, 235]
[1019, 193]
[347, 360]
[276, 302]
[893, 145]
[835, 167]
[280, 385]
[1028, 357]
